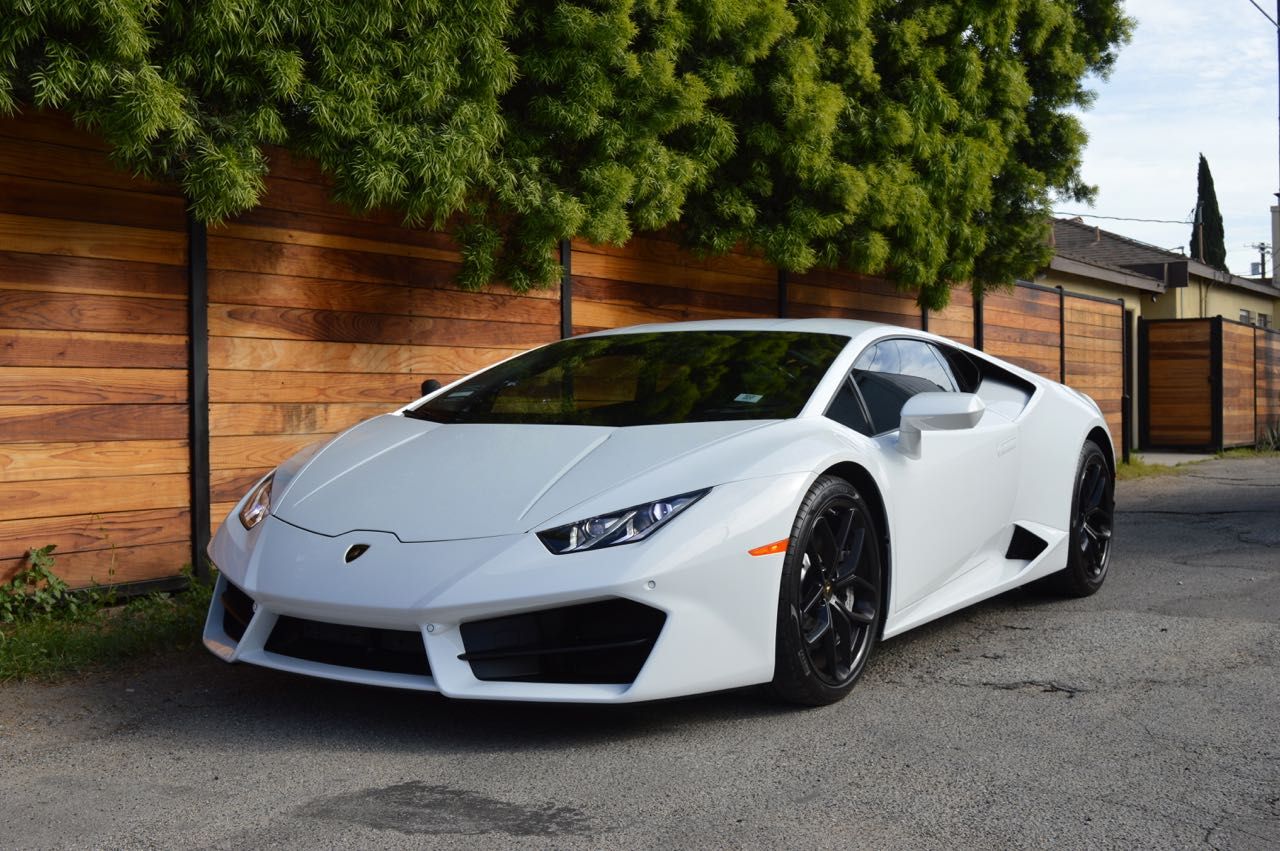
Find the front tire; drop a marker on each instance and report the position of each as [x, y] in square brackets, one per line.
[1092, 514]
[830, 601]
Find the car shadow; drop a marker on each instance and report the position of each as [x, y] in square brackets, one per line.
[195, 696]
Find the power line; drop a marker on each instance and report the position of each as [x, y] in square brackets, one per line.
[1123, 218]
[1265, 15]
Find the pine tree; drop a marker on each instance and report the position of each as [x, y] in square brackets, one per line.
[1208, 238]
[919, 139]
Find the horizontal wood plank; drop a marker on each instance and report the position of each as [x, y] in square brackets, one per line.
[22, 348]
[315, 387]
[230, 486]
[659, 250]
[436, 298]
[320, 239]
[677, 300]
[64, 386]
[275, 258]
[23, 500]
[73, 203]
[293, 323]
[48, 311]
[73, 164]
[24, 462]
[36, 235]
[665, 274]
[239, 452]
[78, 423]
[94, 531]
[52, 126]
[92, 275]
[249, 419]
[307, 356]
[113, 566]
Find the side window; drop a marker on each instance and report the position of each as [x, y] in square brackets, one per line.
[892, 371]
[846, 409]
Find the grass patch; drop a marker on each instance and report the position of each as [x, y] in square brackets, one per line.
[1136, 468]
[49, 630]
[1250, 452]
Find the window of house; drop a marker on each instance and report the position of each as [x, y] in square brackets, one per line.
[1246, 316]
[1264, 320]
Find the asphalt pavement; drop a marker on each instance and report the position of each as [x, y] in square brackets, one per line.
[1146, 716]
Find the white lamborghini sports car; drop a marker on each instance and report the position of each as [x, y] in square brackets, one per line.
[666, 510]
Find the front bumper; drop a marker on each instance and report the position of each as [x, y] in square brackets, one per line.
[717, 605]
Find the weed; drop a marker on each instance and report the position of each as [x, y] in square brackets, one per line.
[1136, 468]
[47, 628]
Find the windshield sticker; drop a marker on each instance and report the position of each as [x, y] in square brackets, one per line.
[749, 398]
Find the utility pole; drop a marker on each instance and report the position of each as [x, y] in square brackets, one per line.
[1275, 209]
[1263, 250]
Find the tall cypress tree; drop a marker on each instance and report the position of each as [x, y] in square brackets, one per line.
[1208, 239]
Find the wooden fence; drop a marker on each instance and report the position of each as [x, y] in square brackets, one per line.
[93, 360]
[308, 319]
[1207, 384]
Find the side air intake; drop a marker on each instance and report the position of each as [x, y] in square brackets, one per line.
[1025, 546]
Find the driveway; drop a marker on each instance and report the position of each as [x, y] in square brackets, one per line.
[1144, 717]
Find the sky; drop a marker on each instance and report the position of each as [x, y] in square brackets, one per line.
[1199, 76]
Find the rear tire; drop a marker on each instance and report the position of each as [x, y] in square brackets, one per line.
[1089, 537]
[829, 604]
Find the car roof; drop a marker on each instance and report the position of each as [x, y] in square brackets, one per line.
[844, 327]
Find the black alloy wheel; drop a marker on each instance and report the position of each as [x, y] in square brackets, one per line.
[1092, 515]
[830, 605]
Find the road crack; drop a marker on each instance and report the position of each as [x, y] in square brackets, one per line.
[1045, 686]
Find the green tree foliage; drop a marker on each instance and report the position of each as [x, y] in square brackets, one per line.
[1208, 237]
[921, 139]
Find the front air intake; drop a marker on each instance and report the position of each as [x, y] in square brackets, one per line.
[604, 642]
[237, 611]
[392, 651]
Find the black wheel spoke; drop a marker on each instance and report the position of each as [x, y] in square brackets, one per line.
[845, 631]
[863, 612]
[832, 649]
[846, 526]
[849, 565]
[814, 600]
[822, 627]
[861, 587]
[825, 549]
[1097, 486]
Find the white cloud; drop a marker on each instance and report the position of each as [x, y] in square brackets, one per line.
[1197, 77]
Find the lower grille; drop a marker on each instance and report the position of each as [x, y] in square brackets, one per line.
[392, 651]
[605, 642]
[237, 611]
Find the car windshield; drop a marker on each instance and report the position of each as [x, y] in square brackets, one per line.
[645, 379]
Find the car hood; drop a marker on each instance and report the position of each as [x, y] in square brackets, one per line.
[424, 481]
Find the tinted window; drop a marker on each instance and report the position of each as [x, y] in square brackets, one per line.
[846, 409]
[891, 372]
[646, 379]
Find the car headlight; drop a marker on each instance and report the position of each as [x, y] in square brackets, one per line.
[258, 505]
[621, 527]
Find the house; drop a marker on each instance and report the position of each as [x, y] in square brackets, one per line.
[1163, 284]
[1157, 284]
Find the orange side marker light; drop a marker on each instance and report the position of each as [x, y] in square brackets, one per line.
[770, 549]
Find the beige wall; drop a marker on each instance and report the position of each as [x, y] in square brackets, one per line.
[1200, 300]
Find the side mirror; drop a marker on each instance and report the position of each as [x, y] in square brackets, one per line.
[936, 412]
[430, 386]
